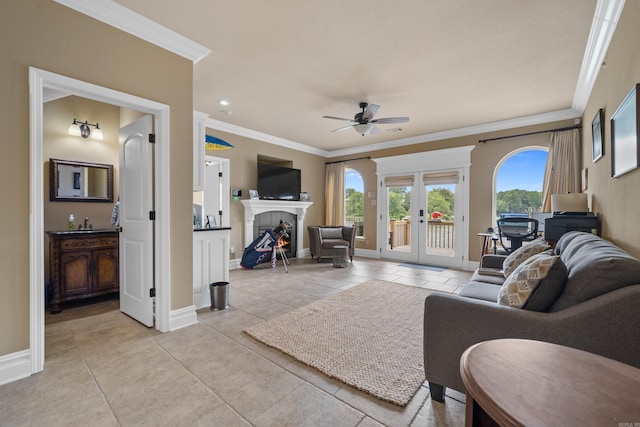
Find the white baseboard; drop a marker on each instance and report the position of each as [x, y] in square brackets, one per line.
[183, 317]
[15, 366]
[367, 253]
[234, 264]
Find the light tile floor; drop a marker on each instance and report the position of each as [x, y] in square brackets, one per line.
[104, 369]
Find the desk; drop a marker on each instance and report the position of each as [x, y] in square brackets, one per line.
[488, 241]
[514, 382]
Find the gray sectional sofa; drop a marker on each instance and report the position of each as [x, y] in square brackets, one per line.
[590, 300]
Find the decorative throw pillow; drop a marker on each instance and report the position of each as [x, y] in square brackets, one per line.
[524, 252]
[331, 233]
[535, 284]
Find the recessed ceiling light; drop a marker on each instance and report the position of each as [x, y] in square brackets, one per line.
[223, 102]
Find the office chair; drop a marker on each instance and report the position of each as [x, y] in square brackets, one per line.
[516, 230]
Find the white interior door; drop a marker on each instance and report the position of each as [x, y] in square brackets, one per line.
[136, 237]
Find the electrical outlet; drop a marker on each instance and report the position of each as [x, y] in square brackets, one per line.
[232, 250]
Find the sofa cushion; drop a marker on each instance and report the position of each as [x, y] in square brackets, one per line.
[480, 290]
[331, 233]
[535, 284]
[524, 252]
[494, 279]
[330, 243]
[595, 267]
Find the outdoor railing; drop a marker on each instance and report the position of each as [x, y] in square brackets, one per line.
[440, 234]
[357, 222]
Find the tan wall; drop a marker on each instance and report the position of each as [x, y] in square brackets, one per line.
[52, 37]
[616, 200]
[58, 144]
[244, 175]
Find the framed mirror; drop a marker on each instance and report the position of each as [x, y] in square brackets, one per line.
[71, 181]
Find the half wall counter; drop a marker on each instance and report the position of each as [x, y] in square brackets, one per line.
[210, 261]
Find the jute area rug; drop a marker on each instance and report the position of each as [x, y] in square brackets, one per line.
[369, 337]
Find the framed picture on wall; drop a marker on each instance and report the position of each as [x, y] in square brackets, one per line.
[625, 155]
[597, 135]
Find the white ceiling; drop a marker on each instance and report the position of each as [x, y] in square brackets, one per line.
[447, 64]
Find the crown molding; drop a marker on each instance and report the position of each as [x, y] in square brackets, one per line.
[604, 25]
[241, 131]
[537, 119]
[466, 131]
[115, 15]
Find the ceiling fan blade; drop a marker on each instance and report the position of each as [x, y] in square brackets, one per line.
[341, 129]
[338, 118]
[370, 111]
[391, 120]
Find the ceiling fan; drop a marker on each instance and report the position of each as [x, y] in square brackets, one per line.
[364, 122]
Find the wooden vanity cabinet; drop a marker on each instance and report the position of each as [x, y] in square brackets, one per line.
[82, 265]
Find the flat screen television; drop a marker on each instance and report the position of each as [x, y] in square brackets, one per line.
[278, 182]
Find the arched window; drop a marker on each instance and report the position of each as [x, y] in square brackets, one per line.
[518, 184]
[354, 200]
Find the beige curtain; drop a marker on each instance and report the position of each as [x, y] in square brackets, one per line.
[334, 194]
[562, 173]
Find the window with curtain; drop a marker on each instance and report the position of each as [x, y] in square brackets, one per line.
[354, 200]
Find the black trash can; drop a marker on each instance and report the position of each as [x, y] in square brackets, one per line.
[219, 295]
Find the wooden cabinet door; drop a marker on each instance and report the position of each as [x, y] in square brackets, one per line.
[75, 273]
[106, 272]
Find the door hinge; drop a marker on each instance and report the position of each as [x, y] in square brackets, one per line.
[152, 138]
[152, 215]
[220, 174]
[152, 293]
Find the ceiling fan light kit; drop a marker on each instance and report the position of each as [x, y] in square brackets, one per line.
[364, 129]
[364, 120]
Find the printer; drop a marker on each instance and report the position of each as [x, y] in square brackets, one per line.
[570, 213]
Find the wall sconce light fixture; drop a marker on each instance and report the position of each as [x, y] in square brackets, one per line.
[82, 129]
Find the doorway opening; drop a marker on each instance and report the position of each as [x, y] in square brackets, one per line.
[423, 203]
[39, 82]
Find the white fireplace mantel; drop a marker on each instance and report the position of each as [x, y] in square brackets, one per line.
[253, 207]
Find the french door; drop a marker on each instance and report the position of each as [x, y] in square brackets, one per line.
[422, 217]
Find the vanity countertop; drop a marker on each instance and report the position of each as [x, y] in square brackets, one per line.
[80, 232]
[211, 228]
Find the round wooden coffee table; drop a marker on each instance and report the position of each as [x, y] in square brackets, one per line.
[513, 382]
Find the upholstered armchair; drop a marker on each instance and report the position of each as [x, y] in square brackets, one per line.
[323, 238]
